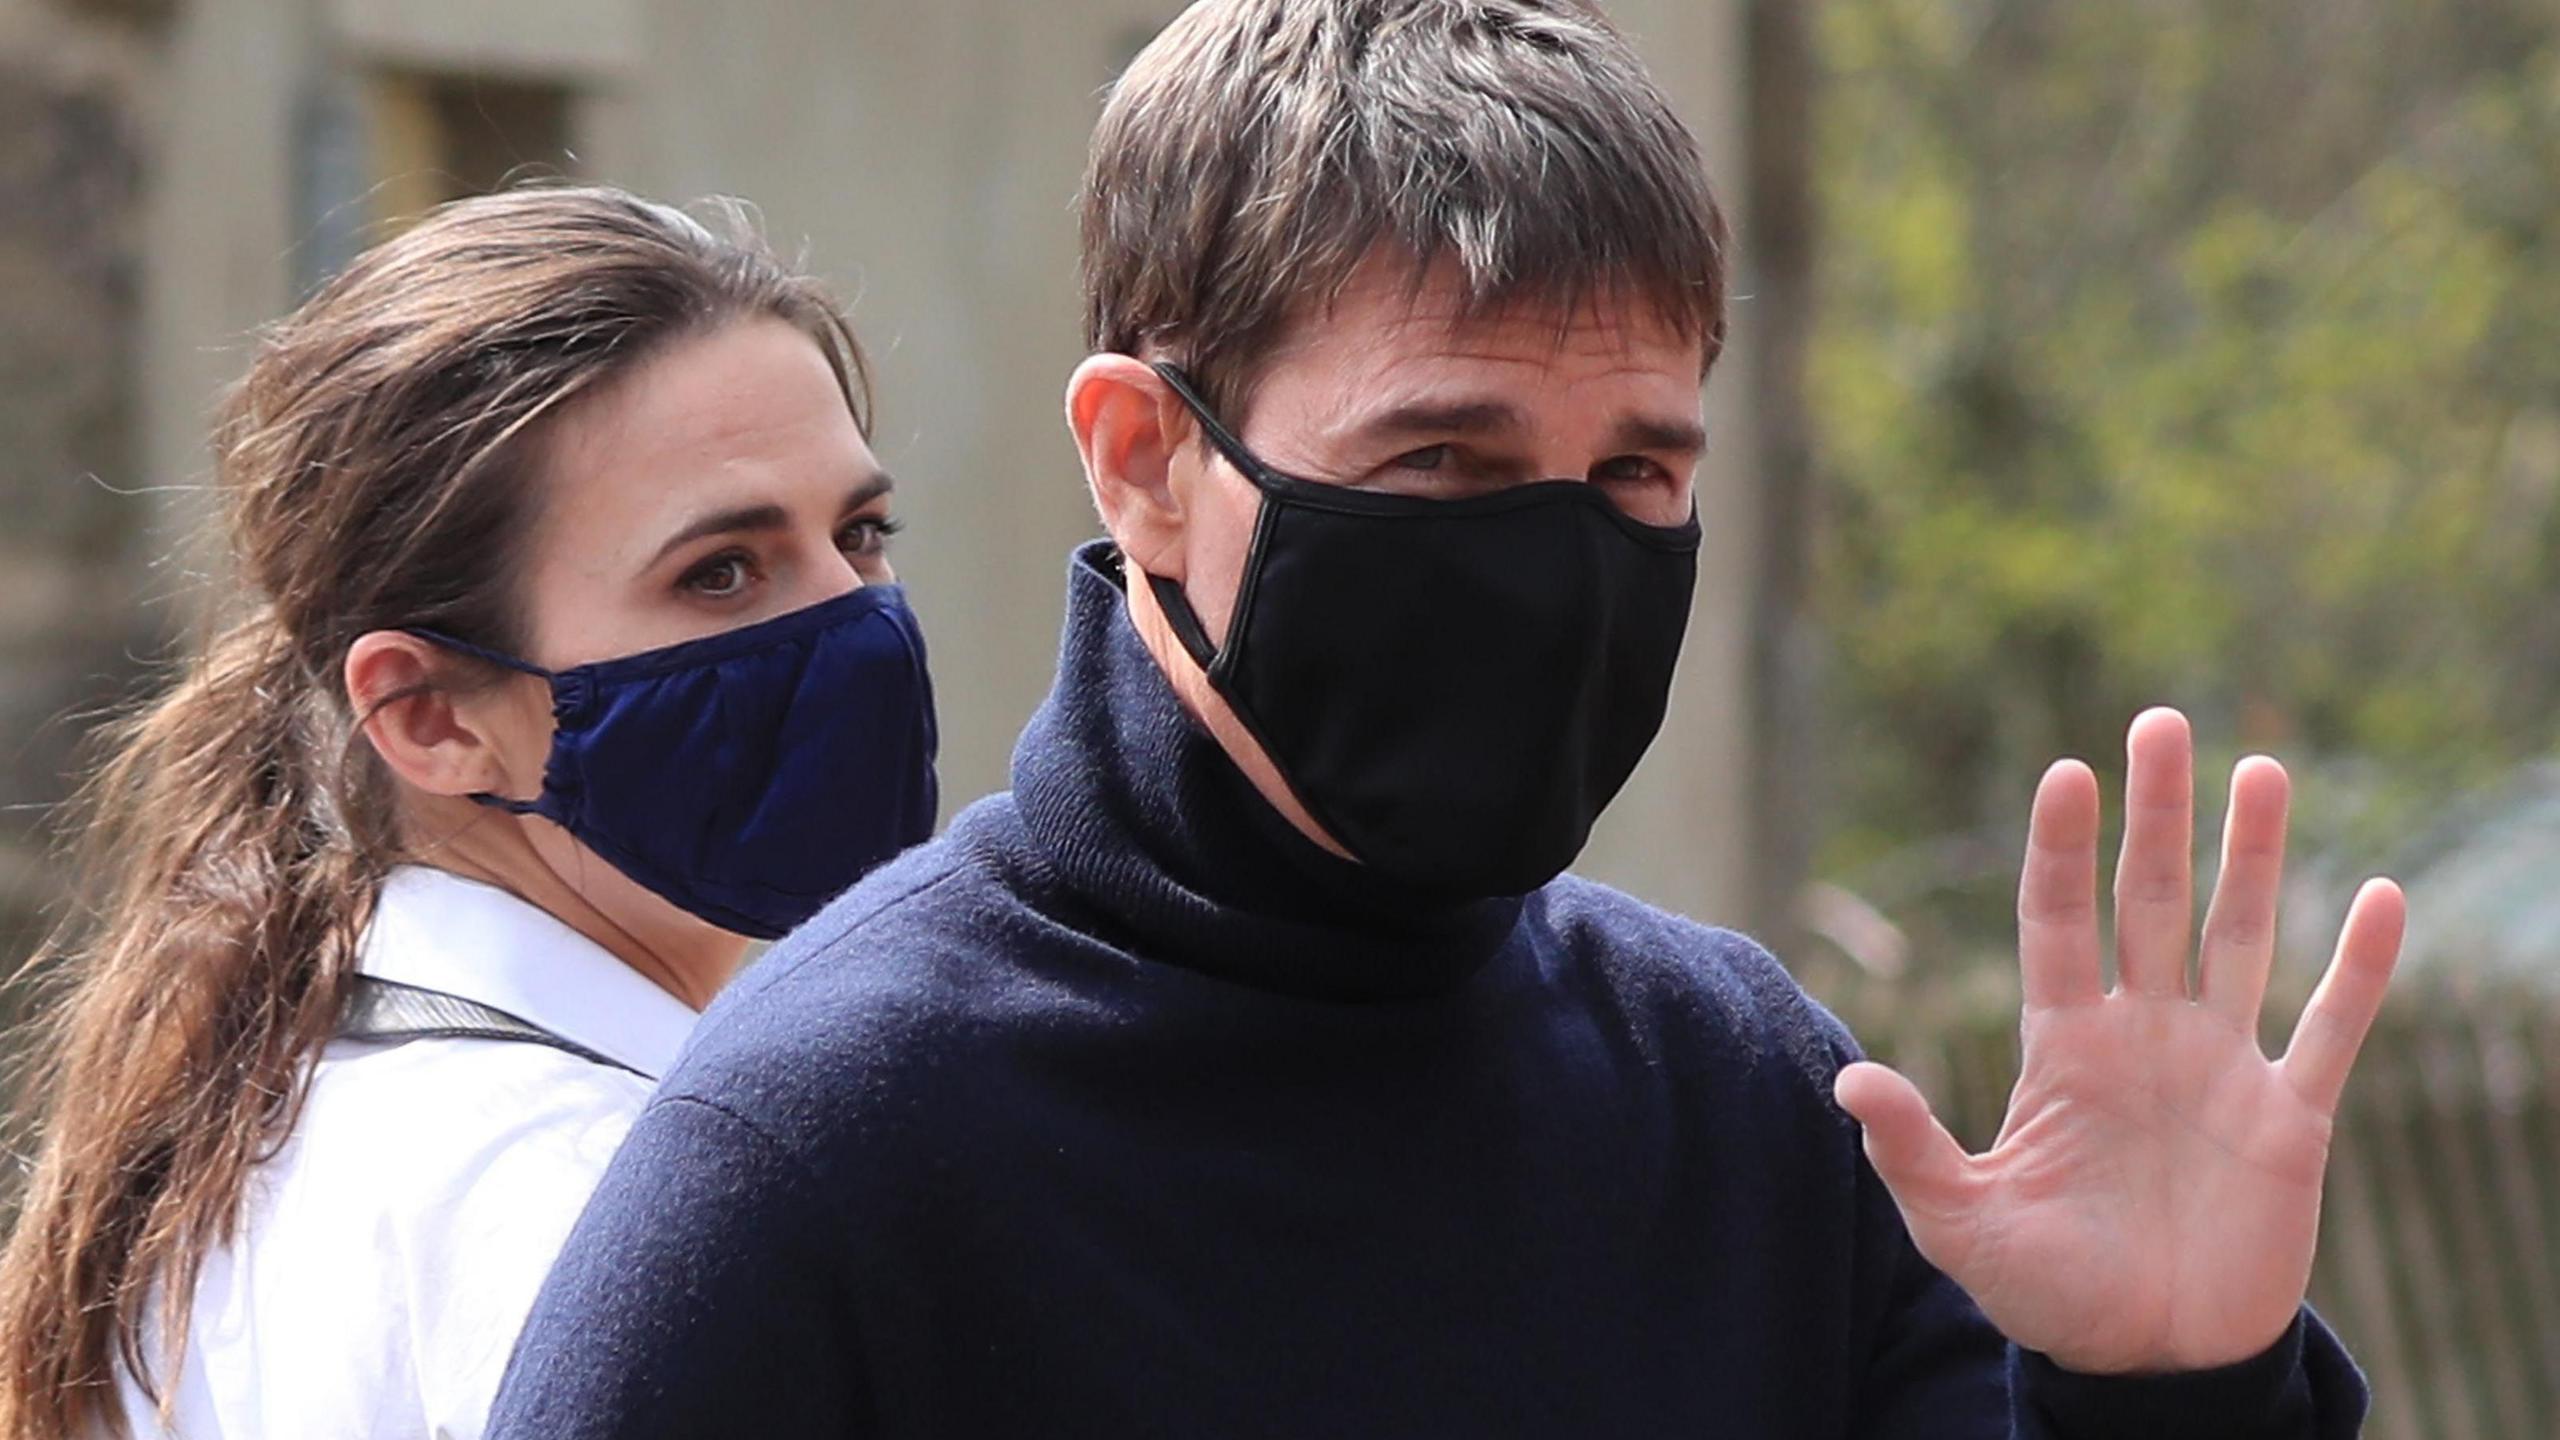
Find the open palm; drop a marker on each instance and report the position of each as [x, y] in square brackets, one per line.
[2153, 1199]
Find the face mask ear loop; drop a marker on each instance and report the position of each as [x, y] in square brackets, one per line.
[1169, 596]
[1245, 461]
[1184, 620]
[504, 661]
[461, 646]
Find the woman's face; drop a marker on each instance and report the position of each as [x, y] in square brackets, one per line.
[720, 483]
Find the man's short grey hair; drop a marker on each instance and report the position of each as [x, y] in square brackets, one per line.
[1260, 151]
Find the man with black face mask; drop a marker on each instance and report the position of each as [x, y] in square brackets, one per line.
[1250, 1068]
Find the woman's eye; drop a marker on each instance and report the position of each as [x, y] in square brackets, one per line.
[717, 578]
[868, 535]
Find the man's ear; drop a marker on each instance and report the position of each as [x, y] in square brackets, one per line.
[404, 693]
[1132, 432]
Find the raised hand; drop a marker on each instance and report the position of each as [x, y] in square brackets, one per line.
[2153, 1199]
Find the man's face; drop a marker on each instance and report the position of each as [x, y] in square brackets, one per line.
[1389, 390]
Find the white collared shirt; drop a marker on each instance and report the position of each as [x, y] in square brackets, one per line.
[390, 1250]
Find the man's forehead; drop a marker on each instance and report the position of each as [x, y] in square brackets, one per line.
[1485, 375]
[1393, 310]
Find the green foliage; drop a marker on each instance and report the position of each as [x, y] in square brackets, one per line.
[2178, 352]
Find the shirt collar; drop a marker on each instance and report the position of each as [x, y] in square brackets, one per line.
[434, 929]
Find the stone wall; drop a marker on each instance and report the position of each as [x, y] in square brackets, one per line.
[74, 82]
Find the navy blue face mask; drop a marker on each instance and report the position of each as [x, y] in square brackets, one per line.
[751, 776]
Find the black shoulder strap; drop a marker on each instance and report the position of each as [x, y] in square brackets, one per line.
[389, 1010]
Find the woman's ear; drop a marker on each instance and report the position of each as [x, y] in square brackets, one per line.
[1132, 431]
[402, 692]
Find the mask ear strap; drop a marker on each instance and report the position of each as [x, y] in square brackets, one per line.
[1185, 620]
[1168, 595]
[501, 802]
[478, 652]
[504, 661]
[1250, 464]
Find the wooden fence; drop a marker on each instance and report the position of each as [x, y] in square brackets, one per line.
[2440, 1238]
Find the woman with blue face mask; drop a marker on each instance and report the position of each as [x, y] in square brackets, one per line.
[567, 660]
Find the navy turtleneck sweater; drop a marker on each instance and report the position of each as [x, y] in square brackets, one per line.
[1121, 1110]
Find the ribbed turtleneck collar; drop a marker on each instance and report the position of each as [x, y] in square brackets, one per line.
[1138, 811]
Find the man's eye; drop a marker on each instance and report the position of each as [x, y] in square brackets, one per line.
[1628, 469]
[717, 578]
[1427, 459]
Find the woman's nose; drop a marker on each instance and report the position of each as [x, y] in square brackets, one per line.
[843, 577]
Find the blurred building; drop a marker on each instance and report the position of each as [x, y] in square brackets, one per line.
[174, 172]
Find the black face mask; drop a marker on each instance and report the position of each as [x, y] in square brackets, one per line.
[1454, 689]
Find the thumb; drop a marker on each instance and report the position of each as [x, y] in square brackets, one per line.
[1927, 1171]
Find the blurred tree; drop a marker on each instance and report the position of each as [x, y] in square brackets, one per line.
[2177, 352]
[1778, 238]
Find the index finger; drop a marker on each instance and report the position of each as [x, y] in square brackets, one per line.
[2059, 957]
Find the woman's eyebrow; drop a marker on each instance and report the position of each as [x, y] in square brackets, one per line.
[872, 487]
[736, 521]
[765, 516]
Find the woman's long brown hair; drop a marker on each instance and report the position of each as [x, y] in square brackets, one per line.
[378, 467]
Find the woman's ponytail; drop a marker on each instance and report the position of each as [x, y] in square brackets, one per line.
[175, 1053]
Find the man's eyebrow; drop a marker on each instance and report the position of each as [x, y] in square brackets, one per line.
[1442, 417]
[1479, 417]
[1644, 432]
[747, 519]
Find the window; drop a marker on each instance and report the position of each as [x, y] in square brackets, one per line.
[440, 137]
[378, 148]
